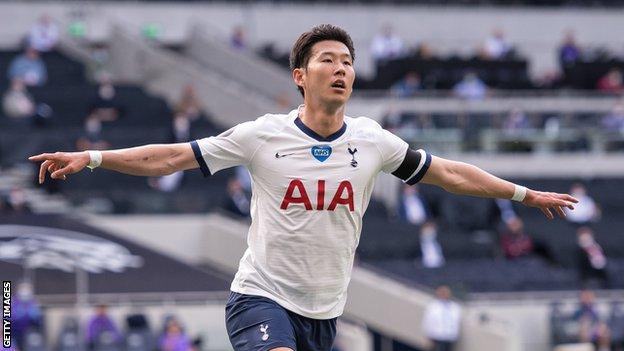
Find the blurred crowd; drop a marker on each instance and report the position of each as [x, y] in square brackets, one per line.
[517, 130]
[387, 45]
[514, 242]
[100, 331]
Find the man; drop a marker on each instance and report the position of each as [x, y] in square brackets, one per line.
[442, 320]
[102, 329]
[29, 68]
[313, 172]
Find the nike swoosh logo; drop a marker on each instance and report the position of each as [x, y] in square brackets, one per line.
[277, 155]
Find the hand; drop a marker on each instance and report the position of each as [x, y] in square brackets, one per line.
[547, 201]
[60, 164]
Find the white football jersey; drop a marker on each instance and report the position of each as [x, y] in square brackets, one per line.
[309, 194]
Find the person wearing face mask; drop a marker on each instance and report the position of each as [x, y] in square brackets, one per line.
[25, 312]
[91, 138]
[592, 262]
[432, 256]
[105, 106]
[442, 320]
[587, 211]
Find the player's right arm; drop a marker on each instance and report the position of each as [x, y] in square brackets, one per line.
[147, 160]
[231, 148]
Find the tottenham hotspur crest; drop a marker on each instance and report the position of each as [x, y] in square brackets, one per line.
[354, 163]
[263, 330]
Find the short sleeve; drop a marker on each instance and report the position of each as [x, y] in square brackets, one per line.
[392, 150]
[234, 147]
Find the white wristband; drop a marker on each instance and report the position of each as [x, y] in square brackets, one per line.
[519, 193]
[95, 159]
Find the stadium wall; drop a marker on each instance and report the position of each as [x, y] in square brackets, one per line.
[536, 31]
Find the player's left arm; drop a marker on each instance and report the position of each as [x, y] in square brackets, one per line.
[466, 179]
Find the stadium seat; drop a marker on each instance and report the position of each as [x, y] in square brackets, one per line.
[69, 337]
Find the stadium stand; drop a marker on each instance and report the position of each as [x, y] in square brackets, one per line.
[554, 122]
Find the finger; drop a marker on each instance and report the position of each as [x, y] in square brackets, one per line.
[53, 167]
[563, 203]
[547, 212]
[61, 173]
[42, 170]
[41, 157]
[570, 198]
[560, 211]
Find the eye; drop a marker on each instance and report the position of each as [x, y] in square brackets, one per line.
[327, 60]
[348, 63]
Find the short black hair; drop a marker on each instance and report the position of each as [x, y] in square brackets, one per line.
[302, 50]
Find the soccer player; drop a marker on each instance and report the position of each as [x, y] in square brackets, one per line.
[313, 173]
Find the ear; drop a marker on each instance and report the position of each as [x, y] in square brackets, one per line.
[298, 75]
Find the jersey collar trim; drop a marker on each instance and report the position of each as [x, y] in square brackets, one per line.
[314, 135]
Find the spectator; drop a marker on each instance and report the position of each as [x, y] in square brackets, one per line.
[515, 243]
[92, 135]
[569, 51]
[586, 210]
[17, 102]
[470, 87]
[188, 105]
[238, 40]
[614, 121]
[505, 210]
[611, 82]
[592, 262]
[516, 121]
[387, 45]
[496, 46]
[15, 201]
[104, 106]
[431, 250]
[44, 35]
[174, 338]
[102, 328]
[406, 87]
[244, 177]
[237, 201]
[441, 321]
[592, 328]
[413, 207]
[29, 68]
[25, 312]
[392, 119]
[98, 65]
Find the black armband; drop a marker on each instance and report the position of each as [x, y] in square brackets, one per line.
[414, 166]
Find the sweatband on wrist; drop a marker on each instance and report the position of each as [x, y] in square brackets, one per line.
[519, 193]
[95, 159]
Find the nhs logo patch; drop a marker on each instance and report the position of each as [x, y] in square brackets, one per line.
[322, 152]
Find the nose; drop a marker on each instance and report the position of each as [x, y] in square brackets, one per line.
[340, 70]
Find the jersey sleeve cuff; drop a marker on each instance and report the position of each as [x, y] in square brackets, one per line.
[200, 159]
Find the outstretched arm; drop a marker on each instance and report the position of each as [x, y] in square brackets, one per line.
[147, 160]
[465, 179]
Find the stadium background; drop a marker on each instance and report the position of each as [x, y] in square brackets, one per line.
[162, 247]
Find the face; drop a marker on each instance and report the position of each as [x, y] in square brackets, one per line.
[329, 76]
[443, 292]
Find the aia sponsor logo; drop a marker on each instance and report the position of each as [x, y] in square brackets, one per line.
[296, 193]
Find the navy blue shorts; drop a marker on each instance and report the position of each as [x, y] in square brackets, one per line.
[256, 323]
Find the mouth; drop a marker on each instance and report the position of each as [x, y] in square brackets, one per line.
[339, 85]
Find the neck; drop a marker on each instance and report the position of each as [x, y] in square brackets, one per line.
[324, 120]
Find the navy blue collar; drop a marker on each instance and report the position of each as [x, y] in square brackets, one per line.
[313, 134]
